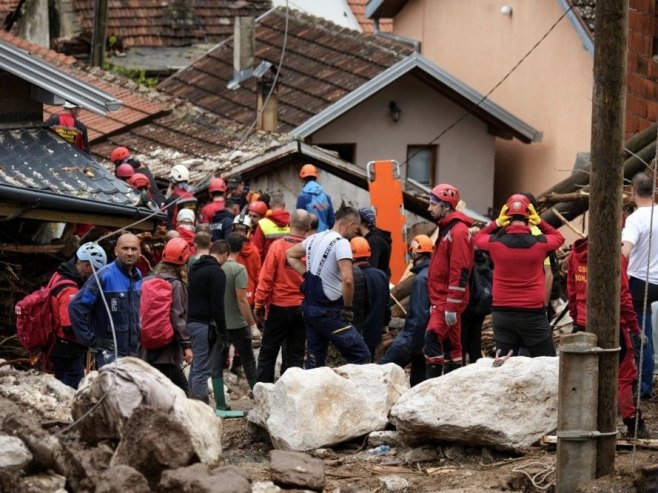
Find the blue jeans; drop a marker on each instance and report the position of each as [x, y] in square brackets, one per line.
[201, 363]
[646, 385]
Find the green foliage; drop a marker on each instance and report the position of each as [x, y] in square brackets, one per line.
[135, 74]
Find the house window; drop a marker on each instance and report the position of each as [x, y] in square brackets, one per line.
[346, 152]
[421, 163]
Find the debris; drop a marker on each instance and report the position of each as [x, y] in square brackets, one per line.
[487, 456]
[199, 478]
[265, 487]
[421, 454]
[53, 483]
[507, 408]
[394, 483]
[296, 470]
[122, 478]
[386, 437]
[454, 452]
[648, 443]
[14, 455]
[40, 391]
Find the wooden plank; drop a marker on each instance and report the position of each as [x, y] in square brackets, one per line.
[648, 443]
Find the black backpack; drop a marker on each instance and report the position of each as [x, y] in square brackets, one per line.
[481, 284]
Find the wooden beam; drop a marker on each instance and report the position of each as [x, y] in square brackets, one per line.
[55, 216]
[648, 443]
[11, 248]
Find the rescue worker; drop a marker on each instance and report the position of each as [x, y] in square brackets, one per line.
[169, 358]
[379, 240]
[121, 155]
[328, 289]
[279, 303]
[217, 191]
[447, 281]
[140, 182]
[186, 227]
[376, 306]
[408, 345]
[67, 355]
[577, 291]
[314, 199]
[221, 224]
[201, 246]
[256, 211]
[518, 312]
[249, 256]
[121, 283]
[273, 226]
[124, 172]
[178, 195]
[69, 127]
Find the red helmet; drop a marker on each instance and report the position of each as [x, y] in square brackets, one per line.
[119, 154]
[421, 244]
[124, 171]
[446, 193]
[138, 180]
[176, 251]
[517, 205]
[308, 170]
[258, 206]
[360, 247]
[217, 185]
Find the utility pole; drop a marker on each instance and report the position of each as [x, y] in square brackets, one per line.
[603, 264]
[98, 34]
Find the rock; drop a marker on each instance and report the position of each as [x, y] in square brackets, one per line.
[507, 408]
[198, 478]
[421, 454]
[386, 437]
[309, 409]
[487, 456]
[296, 470]
[42, 392]
[39, 483]
[454, 452]
[136, 383]
[14, 455]
[265, 487]
[393, 483]
[120, 479]
[148, 449]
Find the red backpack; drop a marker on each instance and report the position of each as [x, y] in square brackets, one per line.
[35, 324]
[155, 311]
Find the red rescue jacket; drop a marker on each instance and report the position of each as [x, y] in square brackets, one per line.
[269, 229]
[279, 283]
[250, 258]
[208, 211]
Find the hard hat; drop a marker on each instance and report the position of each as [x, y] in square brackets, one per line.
[176, 251]
[445, 193]
[119, 154]
[124, 171]
[421, 244]
[217, 185]
[360, 247]
[69, 106]
[179, 173]
[138, 180]
[308, 170]
[92, 253]
[185, 215]
[244, 220]
[258, 206]
[517, 205]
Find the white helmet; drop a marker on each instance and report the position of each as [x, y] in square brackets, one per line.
[93, 253]
[179, 173]
[244, 220]
[185, 215]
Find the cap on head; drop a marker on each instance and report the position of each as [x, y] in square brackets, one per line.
[69, 106]
[176, 251]
[217, 185]
[138, 180]
[258, 206]
[517, 205]
[92, 253]
[421, 244]
[308, 170]
[234, 181]
[179, 173]
[360, 248]
[185, 215]
[367, 216]
[445, 193]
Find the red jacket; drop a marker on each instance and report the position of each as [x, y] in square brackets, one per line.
[250, 258]
[451, 263]
[279, 283]
[208, 211]
[269, 229]
[577, 289]
[518, 258]
[59, 305]
[188, 235]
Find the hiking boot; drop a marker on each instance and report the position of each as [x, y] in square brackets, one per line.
[642, 430]
[433, 371]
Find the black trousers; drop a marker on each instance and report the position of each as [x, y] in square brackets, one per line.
[284, 328]
[513, 329]
[241, 340]
[472, 335]
[175, 374]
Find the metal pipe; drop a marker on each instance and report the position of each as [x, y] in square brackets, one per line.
[577, 411]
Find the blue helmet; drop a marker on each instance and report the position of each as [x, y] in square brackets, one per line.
[92, 252]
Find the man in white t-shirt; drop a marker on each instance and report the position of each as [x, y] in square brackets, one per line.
[640, 245]
[328, 289]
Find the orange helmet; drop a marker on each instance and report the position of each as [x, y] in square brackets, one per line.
[124, 171]
[308, 170]
[258, 206]
[421, 244]
[217, 185]
[445, 193]
[119, 154]
[138, 180]
[360, 247]
[176, 251]
[517, 205]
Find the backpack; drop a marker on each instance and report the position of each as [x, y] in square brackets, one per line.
[35, 324]
[155, 312]
[481, 285]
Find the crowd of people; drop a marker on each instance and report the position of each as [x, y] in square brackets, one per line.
[242, 267]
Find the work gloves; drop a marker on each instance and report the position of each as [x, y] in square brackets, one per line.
[534, 218]
[451, 318]
[503, 219]
[98, 345]
[256, 336]
[347, 314]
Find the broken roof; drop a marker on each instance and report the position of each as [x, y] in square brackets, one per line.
[322, 64]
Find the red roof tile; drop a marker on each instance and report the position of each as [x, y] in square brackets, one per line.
[322, 63]
[359, 10]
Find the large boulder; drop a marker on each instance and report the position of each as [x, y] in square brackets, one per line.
[508, 408]
[41, 392]
[117, 390]
[309, 409]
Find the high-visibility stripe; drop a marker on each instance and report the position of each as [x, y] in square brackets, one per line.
[342, 329]
[456, 288]
[271, 230]
[452, 300]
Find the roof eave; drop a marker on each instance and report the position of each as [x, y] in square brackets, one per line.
[581, 29]
[384, 9]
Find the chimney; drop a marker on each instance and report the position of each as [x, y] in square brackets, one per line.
[35, 23]
[268, 118]
[243, 43]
